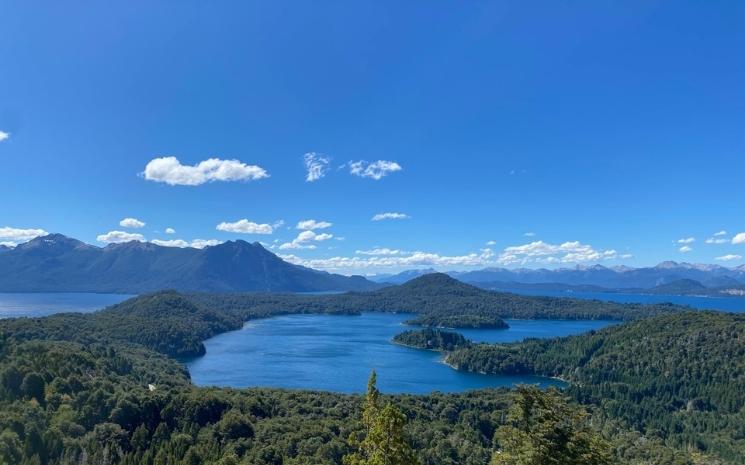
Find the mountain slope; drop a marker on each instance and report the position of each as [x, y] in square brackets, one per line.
[604, 277]
[56, 263]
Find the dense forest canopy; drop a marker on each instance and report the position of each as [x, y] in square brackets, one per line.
[106, 387]
[432, 339]
[679, 377]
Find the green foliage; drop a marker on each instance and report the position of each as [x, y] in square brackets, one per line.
[459, 321]
[74, 389]
[677, 377]
[432, 339]
[384, 441]
[542, 429]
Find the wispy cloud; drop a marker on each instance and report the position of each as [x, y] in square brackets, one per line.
[729, 258]
[379, 251]
[687, 240]
[13, 236]
[317, 165]
[529, 234]
[170, 231]
[376, 170]
[196, 243]
[245, 227]
[169, 170]
[116, 237]
[685, 249]
[390, 216]
[132, 223]
[491, 242]
[4, 136]
[313, 224]
[305, 240]
[720, 233]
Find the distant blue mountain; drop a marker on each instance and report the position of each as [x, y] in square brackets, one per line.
[402, 277]
[594, 277]
[56, 263]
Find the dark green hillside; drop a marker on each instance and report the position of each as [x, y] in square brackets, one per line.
[432, 339]
[165, 321]
[680, 377]
[437, 296]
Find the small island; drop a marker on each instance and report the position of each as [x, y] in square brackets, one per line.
[459, 321]
[432, 339]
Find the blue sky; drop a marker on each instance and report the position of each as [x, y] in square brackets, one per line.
[609, 130]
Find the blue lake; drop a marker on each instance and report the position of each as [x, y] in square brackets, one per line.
[14, 305]
[337, 353]
[725, 304]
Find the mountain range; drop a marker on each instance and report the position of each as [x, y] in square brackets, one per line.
[57, 263]
[596, 277]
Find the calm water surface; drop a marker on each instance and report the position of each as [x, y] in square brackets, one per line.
[336, 353]
[42, 304]
[725, 304]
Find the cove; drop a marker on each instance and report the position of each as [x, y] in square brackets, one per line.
[336, 353]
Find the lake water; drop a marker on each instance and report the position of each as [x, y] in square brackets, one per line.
[337, 353]
[725, 304]
[42, 304]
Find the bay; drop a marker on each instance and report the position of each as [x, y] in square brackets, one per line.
[337, 353]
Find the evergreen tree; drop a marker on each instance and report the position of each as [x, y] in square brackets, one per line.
[543, 429]
[385, 440]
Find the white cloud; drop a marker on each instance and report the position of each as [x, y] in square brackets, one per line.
[170, 171]
[115, 237]
[317, 165]
[313, 224]
[685, 249]
[132, 223]
[196, 243]
[491, 242]
[246, 227]
[379, 251]
[8, 244]
[687, 240]
[16, 235]
[720, 233]
[413, 259]
[4, 136]
[171, 243]
[542, 252]
[375, 170]
[739, 238]
[529, 234]
[729, 257]
[305, 240]
[170, 231]
[202, 243]
[390, 216]
[538, 252]
[717, 240]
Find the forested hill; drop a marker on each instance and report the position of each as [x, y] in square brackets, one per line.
[439, 296]
[679, 376]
